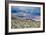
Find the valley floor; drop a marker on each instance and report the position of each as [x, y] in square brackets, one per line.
[17, 24]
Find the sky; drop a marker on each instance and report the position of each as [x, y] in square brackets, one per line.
[25, 11]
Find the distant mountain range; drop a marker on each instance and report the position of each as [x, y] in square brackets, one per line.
[25, 12]
[36, 18]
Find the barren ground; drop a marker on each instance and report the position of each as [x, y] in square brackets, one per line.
[16, 23]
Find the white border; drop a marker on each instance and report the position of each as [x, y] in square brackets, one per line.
[25, 29]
